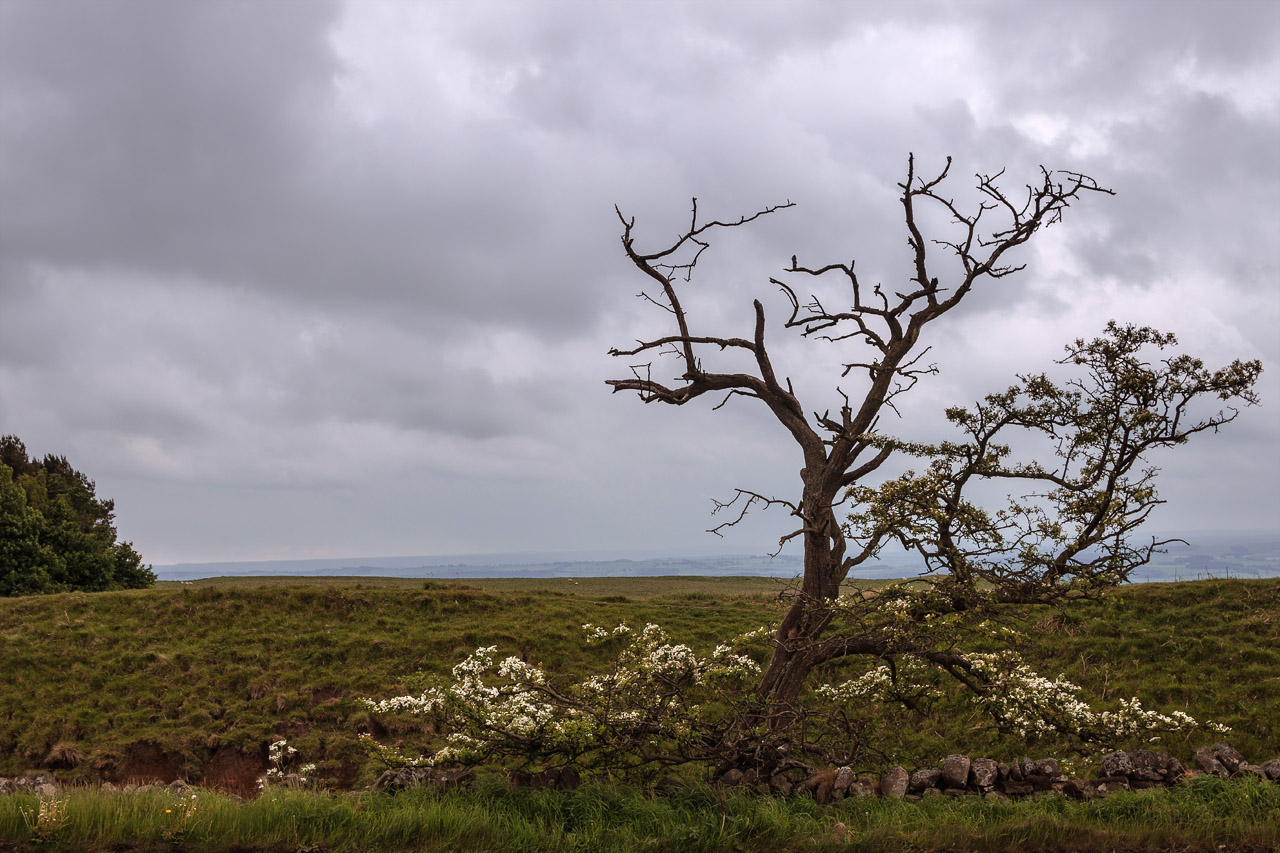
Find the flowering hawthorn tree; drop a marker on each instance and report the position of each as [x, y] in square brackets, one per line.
[1070, 536]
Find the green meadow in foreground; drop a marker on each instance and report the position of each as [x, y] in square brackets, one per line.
[239, 663]
[1207, 814]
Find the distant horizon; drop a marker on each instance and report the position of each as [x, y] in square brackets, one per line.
[1207, 552]
[518, 557]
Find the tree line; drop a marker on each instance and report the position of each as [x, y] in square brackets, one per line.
[56, 534]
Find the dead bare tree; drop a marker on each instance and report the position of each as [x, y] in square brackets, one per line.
[1063, 542]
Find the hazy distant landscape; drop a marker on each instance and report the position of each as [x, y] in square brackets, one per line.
[1252, 554]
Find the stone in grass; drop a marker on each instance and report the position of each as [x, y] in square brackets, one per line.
[840, 785]
[926, 778]
[983, 773]
[1116, 763]
[1040, 783]
[1079, 789]
[1047, 768]
[731, 778]
[955, 771]
[1154, 766]
[1109, 785]
[1016, 789]
[1272, 769]
[411, 777]
[894, 783]
[864, 788]
[1087, 789]
[1218, 760]
[400, 779]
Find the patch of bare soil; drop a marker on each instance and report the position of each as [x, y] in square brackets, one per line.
[235, 771]
[146, 761]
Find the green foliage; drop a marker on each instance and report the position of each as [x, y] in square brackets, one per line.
[56, 535]
[1073, 534]
[27, 565]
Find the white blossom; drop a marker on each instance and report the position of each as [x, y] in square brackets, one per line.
[1034, 705]
[655, 695]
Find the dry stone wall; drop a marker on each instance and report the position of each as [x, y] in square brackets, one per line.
[956, 775]
[962, 775]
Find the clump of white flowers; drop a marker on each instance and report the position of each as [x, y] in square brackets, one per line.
[650, 707]
[282, 758]
[1019, 699]
[882, 684]
[47, 819]
[662, 703]
[1031, 704]
[596, 634]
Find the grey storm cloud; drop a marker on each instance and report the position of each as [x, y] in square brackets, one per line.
[310, 279]
[155, 135]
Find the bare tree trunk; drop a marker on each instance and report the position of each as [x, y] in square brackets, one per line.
[796, 639]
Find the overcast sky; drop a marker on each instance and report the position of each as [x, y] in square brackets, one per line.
[305, 279]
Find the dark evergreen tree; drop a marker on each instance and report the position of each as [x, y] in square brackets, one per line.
[26, 565]
[55, 533]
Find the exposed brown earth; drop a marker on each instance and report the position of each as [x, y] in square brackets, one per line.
[235, 771]
[147, 761]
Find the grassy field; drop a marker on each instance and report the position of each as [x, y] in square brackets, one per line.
[1205, 815]
[194, 668]
[198, 667]
[190, 671]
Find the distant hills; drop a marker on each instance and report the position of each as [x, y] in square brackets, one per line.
[532, 565]
[1253, 554]
[1250, 554]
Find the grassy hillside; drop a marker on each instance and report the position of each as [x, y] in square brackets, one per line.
[192, 670]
